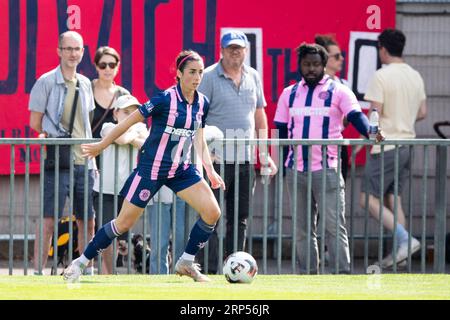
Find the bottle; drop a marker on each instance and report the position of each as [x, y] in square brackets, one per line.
[373, 124]
[265, 172]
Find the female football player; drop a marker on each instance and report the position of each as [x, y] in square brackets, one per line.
[178, 118]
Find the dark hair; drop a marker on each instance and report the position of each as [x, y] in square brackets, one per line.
[393, 40]
[106, 51]
[325, 41]
[311, 48]
[184, 57]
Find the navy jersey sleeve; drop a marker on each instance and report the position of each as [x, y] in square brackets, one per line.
[155, 104]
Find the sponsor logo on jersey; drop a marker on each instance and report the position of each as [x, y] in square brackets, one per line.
[179, 131]
[309, 112]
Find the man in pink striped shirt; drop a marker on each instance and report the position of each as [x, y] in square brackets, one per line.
[314, 108]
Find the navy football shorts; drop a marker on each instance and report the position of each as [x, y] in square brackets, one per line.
[138, 189]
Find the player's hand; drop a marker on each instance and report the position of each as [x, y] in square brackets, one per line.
[91, 150]
[216, 180]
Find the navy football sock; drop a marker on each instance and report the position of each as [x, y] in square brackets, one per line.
[200, 233]
[102, 239]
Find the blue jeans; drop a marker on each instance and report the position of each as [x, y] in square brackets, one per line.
[161, 239]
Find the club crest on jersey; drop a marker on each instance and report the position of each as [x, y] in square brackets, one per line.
[144, 195]
[179, 131]
[324, 95]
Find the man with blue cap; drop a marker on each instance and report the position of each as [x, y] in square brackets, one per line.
[237, 104]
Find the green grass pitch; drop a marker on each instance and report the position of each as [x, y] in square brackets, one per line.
[264, 287]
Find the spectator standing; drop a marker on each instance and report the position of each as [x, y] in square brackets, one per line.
[135, 136]
[106, 91]
[314, 109]
[397, 91]
[334, 66]
[51, 102]
[237, 107]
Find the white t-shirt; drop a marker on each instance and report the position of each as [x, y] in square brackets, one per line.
[124, 169]
[401, 90]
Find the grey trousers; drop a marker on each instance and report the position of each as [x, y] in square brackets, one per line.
[333, 216]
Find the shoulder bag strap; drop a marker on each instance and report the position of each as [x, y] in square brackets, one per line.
[74, 107]
[106, 110]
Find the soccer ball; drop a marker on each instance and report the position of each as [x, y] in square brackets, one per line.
[240, 267]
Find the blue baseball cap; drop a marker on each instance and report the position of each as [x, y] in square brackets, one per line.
[234, 37]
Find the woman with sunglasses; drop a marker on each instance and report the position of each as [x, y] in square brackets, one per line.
[107, 62]
[178, 119]
[335, 57]
[106, 92]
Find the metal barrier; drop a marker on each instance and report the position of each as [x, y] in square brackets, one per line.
[273, 203]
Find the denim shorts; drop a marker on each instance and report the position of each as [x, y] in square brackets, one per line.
[63, 192]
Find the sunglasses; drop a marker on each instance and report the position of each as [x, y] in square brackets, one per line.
[103, 65]
[337, 55]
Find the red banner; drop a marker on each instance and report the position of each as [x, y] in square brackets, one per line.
[149, 34]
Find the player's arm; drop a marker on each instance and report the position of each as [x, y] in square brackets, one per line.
[201, 148]
[92, 150]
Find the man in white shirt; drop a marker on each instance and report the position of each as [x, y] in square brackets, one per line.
[397, 92]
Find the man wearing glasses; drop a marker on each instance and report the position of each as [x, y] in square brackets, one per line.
[52, 99]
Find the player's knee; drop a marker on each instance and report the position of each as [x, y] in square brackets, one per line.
[216, 213]
[211, 214]
[124, 225]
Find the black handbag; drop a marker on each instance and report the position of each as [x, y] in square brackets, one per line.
[64, 149]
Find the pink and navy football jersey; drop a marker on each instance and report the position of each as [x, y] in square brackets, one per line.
[167, 150]
[315, 113]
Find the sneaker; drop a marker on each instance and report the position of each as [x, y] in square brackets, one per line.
[402, 254]
[402, 251]
[388, 262]
[190, 269]
[73, 272]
